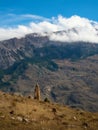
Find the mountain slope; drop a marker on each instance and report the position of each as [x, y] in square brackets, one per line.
[67, 72]
[18, 112]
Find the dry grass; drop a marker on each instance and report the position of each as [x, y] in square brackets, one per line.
[21, 113]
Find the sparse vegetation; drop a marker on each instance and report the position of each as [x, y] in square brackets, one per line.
[29, 114]
[46, 100]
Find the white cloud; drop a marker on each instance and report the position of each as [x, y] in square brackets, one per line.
[35, 17]
[74, 28]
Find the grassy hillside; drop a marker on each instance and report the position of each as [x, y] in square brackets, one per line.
[18, 112]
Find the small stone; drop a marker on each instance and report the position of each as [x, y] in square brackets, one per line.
[25, 120]
[2, 116]
[54, 110]
[30, 97]
[19, 118]
[34, 120]
[75, 118]
[12, 112]
[13, 118]
[85, 125]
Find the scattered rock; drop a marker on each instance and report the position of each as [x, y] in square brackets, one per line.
[30, 97]
[85, 125]
[46, 100]
[12, 112]
[65, 123]
[34, 120]
[74, 118]
[25, 120]
[2, 117]
[18, 94]
[54, 110]
[35, 109]
[19, 118]
[13, 118]
[22, 119]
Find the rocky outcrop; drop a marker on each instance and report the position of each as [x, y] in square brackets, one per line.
[14, 50]
[37, 92]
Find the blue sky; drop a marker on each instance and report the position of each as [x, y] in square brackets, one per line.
[20, 17]
[50, 8]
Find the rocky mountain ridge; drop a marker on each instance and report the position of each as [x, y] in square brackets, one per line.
[14, 50]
